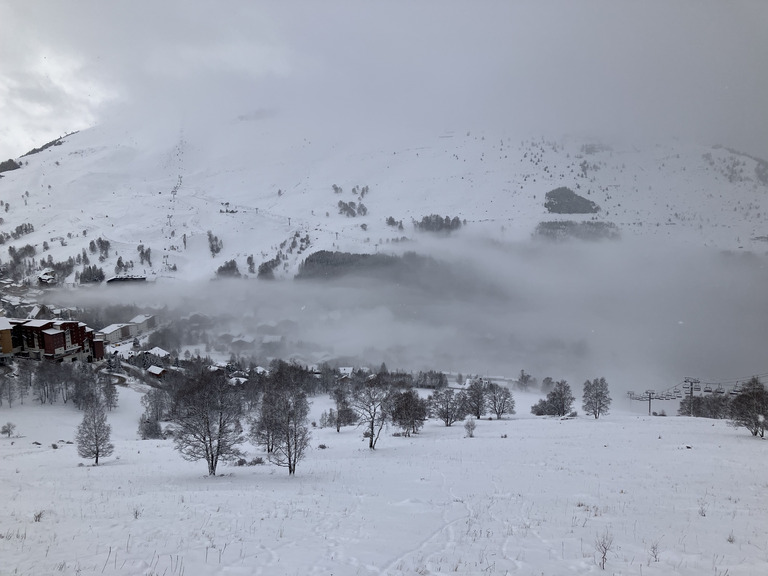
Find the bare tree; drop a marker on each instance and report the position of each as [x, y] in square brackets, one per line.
[8, 428]
[156, 402]
[44, 384]
[93, 433]
[500, 400]
[596, 399]
[475, 398]
[557, 403]
[344, 414]
[749, 409]
[409, 411]
[288, 416]
[525, 380]
[207, 416]
[109, 391]
[447, 405]
[7, 390]
[25, 372]
[85, 389]
[603, 545]
[265, 427]
[370, 402]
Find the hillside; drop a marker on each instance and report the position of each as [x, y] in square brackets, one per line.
[260, 191]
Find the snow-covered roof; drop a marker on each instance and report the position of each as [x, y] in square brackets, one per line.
[140, 318]
[5, 323]
[113, 328]
[159, 352]
[155, 370]
[53, 331]
[36, 323]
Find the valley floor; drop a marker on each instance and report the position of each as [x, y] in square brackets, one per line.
[525, 496]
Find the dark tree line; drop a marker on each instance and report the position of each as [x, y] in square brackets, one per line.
[565, 201]
[91, 275]
[437, 223]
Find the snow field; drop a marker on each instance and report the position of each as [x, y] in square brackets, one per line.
[531, 503]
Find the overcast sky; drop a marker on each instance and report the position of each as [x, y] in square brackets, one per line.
[696, 70]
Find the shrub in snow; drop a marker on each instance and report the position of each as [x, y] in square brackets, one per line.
[8, 429]
[470, 426]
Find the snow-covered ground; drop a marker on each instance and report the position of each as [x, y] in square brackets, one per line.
[525, 496]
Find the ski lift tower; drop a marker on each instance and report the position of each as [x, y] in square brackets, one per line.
[650, 394]
[692, 382]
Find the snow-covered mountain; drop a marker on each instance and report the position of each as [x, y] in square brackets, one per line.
[257, 188]
[659, 304]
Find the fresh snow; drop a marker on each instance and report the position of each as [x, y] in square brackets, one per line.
[533, 502]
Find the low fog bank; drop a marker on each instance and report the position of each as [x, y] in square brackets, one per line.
[643, 315]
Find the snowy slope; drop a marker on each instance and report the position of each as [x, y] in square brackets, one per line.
[255, 185]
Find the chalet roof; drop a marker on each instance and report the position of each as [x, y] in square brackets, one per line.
[52, 331]
[140, 318]
[155, 370]
[5, 324]
[159, 352]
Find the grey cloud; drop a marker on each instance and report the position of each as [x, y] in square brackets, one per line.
[646, 70]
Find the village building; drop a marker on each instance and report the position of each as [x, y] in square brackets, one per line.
[156, 371]
[144, 322]
[115, 333]
[56, 340]
[6, 339]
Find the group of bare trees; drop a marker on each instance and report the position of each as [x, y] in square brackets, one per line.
[281, 423]
[479, 398]
[596, 399]
[50, 383]
[380, 398]
[208, 413]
